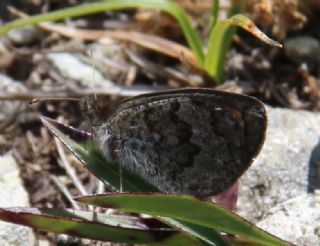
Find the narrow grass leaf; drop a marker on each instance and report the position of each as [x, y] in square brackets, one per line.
[206, 234]
[97, 226]
[220, 40]
[100, 6]
[185, 208]
[214, 13]
[218, 46]
[248, 25]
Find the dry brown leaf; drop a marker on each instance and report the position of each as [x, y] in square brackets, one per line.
[195, 6]
[152, 42]
[281, 15]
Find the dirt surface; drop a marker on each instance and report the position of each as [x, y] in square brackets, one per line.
[270, 74]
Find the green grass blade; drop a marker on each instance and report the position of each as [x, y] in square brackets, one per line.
[98, 226]
[187, 209]
[218, 46]
[234, 9]
[91, 8]
[214, 14]
[220, 40]
[206, 234]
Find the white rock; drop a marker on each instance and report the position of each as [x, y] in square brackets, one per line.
[274, 189]
[12, 193]
[71, 67]
[9, 108]
[303, 49]
[280, 171]
[24, 35]
[296, 220]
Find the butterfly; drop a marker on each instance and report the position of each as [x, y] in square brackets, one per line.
[192, 141]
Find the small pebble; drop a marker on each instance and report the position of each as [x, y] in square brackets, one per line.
[24, 36]
[303, 49]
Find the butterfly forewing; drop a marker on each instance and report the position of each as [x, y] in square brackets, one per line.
[194, 141]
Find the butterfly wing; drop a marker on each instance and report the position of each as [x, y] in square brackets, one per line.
[194, 141]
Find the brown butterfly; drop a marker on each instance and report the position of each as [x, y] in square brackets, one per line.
[193, 141]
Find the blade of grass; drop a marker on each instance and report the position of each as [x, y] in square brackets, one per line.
[90, 8]
[153, 42]
[234, 9]
[187, 209]
[98, 226]
[214, 14]
[220, 40]
[206, 234]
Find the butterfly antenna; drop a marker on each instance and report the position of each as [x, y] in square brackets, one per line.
[91, 54]
[45, 99]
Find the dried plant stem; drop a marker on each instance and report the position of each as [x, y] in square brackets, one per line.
[64, 191]
[69, 169]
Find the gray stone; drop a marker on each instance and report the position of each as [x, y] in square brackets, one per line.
[303, 49]
[281, 170]
[12, 193]
[274, 191]
[7, 56]
[296, 220]
[8, 109]
[24, 35]
[71, 67]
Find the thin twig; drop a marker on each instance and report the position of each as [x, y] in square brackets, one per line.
[160, 71]
[101, 187]
[161, 45]
[79, 93]
[64, 191]
[69, 169]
